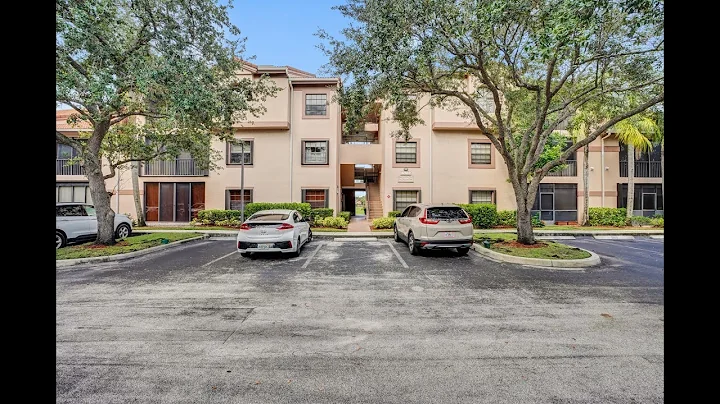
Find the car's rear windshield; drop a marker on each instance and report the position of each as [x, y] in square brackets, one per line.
[269, 216]
[446, 213]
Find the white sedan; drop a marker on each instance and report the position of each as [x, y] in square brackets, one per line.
[275, 230]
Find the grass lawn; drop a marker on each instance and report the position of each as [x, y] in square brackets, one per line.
[506, 243]
[590, 228]
[359, 211]
[186, 227]
[132, 243]
[322, 229]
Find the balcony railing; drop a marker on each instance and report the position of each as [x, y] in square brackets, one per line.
[570, 170]
[177, 167]
[63, 168]
[361, 138]
[648, 169]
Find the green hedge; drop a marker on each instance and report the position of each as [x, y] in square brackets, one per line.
[657, 222]
[507, 218]
[321, 213]
[484, 215]
[303, 208]
[640, 221]
[383, 222]
[535, 220]
[394, 213]
[607, 217]
[333, 222]
[345, 215]
[212, 216]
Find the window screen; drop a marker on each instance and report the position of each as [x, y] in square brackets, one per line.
[480, 153]
[316, 104]
[406, 152]
[405, 198]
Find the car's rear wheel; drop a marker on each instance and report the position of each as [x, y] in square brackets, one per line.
[463, 250]
[122, 232]
[60, 239]
[411, 244]
[396, 236]
[309, 238]
[296, 253]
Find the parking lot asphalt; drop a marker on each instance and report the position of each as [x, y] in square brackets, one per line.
[361, 321]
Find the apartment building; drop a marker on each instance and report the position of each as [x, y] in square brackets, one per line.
[297, 152]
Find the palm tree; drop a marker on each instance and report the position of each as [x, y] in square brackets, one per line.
[635, 132]
[579, 132]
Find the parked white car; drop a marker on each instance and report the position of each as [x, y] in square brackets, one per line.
[77, 222]
[275, 230]
[434, 227]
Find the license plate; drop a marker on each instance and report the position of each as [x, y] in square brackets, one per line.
[264, 246]
[448, 234]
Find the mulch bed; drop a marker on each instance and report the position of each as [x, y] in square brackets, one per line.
[515, 244]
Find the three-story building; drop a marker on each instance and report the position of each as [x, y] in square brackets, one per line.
[298, 152]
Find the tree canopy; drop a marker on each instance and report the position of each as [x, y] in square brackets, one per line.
[519, 69]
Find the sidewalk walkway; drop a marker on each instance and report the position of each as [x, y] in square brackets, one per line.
[358, 224]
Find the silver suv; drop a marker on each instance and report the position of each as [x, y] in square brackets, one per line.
[434, 226]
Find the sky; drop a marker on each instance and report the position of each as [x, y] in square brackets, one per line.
[281, 32]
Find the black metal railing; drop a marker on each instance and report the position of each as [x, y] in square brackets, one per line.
[361, 138]
[63, 168]
[647, 169]
[176, 167]
[570, 170]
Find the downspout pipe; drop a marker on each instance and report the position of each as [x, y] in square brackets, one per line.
[292, 92]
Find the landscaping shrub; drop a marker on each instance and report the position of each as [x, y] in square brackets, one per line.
[640, 221]
[345, 215]
[333, 222]
[383, 222]
[535, 220]
[657, 222]
[484, 215]
[507, 218]
[321, 213]
[213, 216]
[607, 217]
[302, 207]
[394, 213]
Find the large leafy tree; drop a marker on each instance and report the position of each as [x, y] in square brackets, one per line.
[538, 61]
[152, 78]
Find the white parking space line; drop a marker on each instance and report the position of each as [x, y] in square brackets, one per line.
[218, 259]
[612, 237]
[397, 254]
[312, 255]
[660, 236]
[627, 246]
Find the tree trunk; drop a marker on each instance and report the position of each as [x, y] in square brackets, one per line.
[631, 181]
[139, 213]
[101, 200]
[525, 233]
[586, 185]
[662, 172]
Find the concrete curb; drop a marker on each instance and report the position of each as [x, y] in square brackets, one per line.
[594, 259]
[118, 257]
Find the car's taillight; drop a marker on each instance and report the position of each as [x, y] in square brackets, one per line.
[244, 226]
[285, 226]
[425, 220]
[466, 221]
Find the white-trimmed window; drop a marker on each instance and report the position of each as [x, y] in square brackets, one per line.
[315, 152]
[317, 198]
[72, 192]
[236, 150]
[406, 153]
[316, 104]
[478, 196]
[480, 153]
[233, 198]
[404, 198]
